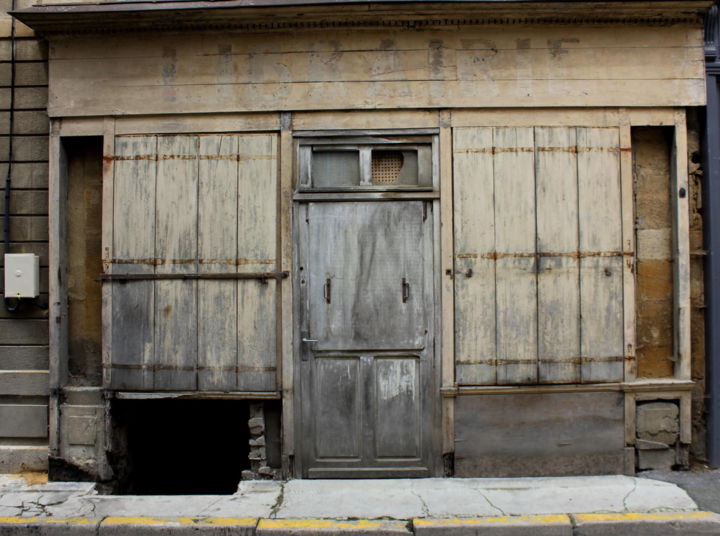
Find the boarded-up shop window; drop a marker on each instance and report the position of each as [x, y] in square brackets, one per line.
[652, 149]
[539, 260]
[189, 205]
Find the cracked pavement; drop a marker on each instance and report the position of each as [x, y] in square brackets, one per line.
[365, 499]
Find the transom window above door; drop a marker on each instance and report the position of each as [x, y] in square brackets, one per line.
[366, 164]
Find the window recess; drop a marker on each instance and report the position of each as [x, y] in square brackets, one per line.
[364, 165]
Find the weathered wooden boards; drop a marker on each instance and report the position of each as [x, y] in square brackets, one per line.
[340, 69]
[190, 204]
[538, 255]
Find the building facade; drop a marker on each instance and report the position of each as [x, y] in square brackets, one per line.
[371, 240]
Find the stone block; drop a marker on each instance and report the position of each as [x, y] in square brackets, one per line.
[257, 454]
[540, 525]
[658, 421]
[655, 524]
[656, 459]
[654, 244]
[257, 442]
[644, 444]
[49, 527]
[331, 527]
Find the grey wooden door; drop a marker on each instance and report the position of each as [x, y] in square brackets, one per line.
[367, 338]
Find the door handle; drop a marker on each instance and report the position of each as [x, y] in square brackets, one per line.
[327, 290]
[304, 353]
[405, 290]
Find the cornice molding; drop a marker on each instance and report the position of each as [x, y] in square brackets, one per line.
[66, 20]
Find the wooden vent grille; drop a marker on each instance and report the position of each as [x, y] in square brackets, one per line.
[386, 166]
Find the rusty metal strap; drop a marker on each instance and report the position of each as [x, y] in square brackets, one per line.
[155, 367]
[562, 361]
[149, 277]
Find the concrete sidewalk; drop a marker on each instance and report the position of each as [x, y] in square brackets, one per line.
[580, 506]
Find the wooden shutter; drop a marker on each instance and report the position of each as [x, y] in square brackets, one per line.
[538, 244]
[191, 204]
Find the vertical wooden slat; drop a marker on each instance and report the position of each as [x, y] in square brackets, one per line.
[133, 250]
[515, 232]
[176, 251]
[601, 263]
[108, 172]
[681, 244]
[447, 327]
[628, 246]
[285, 247]
[58, 326]
[473, 194]
[557, 241]
[217, 244]
[257, 250]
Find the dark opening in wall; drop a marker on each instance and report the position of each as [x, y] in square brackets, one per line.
[179, 447]
[83, 213]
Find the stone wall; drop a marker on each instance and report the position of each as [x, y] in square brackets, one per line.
[24, 334]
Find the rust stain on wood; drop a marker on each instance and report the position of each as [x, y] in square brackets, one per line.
[495, 255]
[161, 262]
[572, 150]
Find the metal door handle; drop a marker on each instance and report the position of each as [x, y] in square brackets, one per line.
[405, 290]
[327, 289]
[309, 340]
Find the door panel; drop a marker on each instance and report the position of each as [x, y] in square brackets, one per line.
[361, 253]
[397, 408]
[367, 296]
[336, 432]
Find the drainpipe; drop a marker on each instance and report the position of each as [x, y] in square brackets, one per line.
[11, 304]
[711, 215]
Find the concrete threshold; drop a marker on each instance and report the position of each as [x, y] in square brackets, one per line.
[568, 506]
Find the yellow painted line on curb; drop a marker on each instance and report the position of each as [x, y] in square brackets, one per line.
[328, 524]
[70, 520]
[638, 516]
[460, 521]
[230, 521]
[18, 520]
[116, 520]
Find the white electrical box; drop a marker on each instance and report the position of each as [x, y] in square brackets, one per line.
[22, 275]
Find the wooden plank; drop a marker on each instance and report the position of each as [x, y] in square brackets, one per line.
[539, 434]
[24, 382]
[363, 120]
[630, 419]
[285, 263]
[557, 38]
[558, 289]
[257, 252]
[24, 420]
[217, 246]
[176, 250]
[133, 239]
[600, 230]
[363, 95]
[184, 124]
[628, 244]
[57, 299]
[108, 219]
[93, 126]
[515, 281]
[378, 69]
[447, 268]
[24, 358]
[24, 331]
[473, 191]
[681, 245]
[540, 117]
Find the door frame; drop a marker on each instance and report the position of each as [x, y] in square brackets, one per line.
[435, 458]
